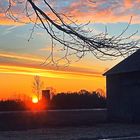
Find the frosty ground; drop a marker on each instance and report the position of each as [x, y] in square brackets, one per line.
[97, 131]
[78, 124]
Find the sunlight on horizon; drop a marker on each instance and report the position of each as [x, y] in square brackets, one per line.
[35, 99]
[21, 59]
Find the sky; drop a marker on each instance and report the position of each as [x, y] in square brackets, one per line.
[21, 60]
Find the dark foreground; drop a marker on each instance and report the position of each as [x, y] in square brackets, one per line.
[89, 124]
[96, 132]
[24, 120]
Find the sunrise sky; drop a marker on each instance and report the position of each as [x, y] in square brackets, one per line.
[21, 60]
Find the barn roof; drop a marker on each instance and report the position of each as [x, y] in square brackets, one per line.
[130, 64]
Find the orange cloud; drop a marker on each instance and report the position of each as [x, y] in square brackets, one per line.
[128, 3]
[97, 11]
[11, 69]
[19, 79]
[21, 57]
[105, 11]
[25, 60]
[5, 20]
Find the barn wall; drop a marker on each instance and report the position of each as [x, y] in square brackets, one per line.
[123, 96]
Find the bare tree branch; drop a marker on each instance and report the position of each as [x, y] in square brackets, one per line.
[72, 37]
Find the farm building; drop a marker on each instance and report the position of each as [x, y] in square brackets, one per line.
[46, 95]
[123, 89]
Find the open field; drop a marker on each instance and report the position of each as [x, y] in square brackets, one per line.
[21, 120]
[85, 124]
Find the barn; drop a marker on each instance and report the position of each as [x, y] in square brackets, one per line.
[123, 89]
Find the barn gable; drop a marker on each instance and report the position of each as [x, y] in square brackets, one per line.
[130, 64]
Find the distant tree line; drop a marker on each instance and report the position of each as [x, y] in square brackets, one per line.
[12, 105]
[71, 100]
[78, 100]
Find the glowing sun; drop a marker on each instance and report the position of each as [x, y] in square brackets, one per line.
[34, 99]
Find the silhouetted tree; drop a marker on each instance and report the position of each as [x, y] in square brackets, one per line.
[37, 86]
[77, 100]
[73, 100]
[12, 105]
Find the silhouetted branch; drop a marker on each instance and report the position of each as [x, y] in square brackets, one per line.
[72, 37]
